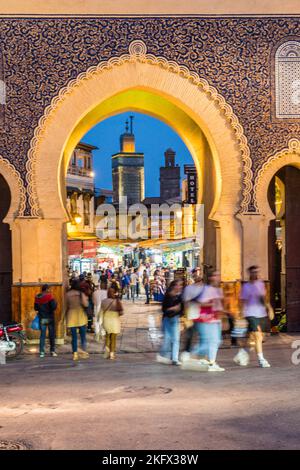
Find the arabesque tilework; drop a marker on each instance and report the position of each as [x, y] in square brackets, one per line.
[235, 55]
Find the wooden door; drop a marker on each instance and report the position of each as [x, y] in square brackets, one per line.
[292, 214]
[5, 254]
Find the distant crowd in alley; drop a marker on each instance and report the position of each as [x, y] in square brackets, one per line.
[193, 307]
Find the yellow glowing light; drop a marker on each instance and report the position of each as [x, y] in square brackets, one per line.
[78, 219]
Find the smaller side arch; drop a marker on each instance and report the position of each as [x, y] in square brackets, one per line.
[17, 190]
[287, 156]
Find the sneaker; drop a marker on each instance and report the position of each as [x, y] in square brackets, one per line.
[53, 354]
[263, 363]
[112, 356]
[42, 354]
[215, 368]
[242, 358]
[176, 363]
[185, 356]
[75, 356]
[204, 362]
[163, 360]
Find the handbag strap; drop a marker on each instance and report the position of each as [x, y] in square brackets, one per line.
[104, 311]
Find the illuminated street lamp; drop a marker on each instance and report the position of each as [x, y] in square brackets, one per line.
[77, 218]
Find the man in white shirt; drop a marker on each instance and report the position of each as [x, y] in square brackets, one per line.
[253, 297]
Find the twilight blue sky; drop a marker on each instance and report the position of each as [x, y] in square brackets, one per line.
[152, 137]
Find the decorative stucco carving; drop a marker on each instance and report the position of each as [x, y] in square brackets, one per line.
[138, 53]
[15, 182]
[288, 155]
[287, 80]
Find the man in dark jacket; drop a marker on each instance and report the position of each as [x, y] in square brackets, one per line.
[45, 305]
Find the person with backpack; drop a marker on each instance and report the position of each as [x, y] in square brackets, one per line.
[45, 305]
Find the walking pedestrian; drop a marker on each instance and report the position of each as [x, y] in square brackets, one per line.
[45, 305]
[77, 303]
[146, 284]
[126, 284]
[111, 310]
[172, 308]
[253, 297]
[158, 288]
[98, 296]
[133, 284]
[208, 324]
[191, 294]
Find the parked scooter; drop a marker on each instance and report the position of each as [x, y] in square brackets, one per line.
[12, 338]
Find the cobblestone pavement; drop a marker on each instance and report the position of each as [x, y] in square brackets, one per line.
[136, 403]
[140, 330]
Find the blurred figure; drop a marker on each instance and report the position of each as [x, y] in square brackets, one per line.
[208, 324]
[111, 310]
[77, 303]
[146, 285]
[88, 290]
[172, 308]
[191, 294]
[74, 276]
[126, 284]
[158, 287]
[98, 296]
[133, 283]
[114, 282]
[167, 276]
[96, 279]
[253, 297]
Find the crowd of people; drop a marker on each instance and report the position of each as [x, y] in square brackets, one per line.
[201, 305]
[94, 304]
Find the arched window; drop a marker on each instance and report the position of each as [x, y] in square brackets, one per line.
[287, 80]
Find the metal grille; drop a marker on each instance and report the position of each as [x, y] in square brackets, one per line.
[287, 76]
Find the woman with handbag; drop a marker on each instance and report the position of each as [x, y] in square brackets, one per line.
[111, 310]
[77, 303]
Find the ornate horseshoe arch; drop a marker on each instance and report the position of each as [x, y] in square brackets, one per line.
[156, 73]
[17, 190]
[287, 156]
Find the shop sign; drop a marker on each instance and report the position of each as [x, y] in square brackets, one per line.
[90, 248]
[191, 172]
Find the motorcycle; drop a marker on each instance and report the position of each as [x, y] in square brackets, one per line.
[12, 339]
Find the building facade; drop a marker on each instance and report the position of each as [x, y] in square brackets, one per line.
[226, 81]
[81, 190]
[128, 170]
[169, 177]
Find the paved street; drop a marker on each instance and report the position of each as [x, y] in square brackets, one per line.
[135, 403]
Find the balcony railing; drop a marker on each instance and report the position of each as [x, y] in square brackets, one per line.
[75, 170]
